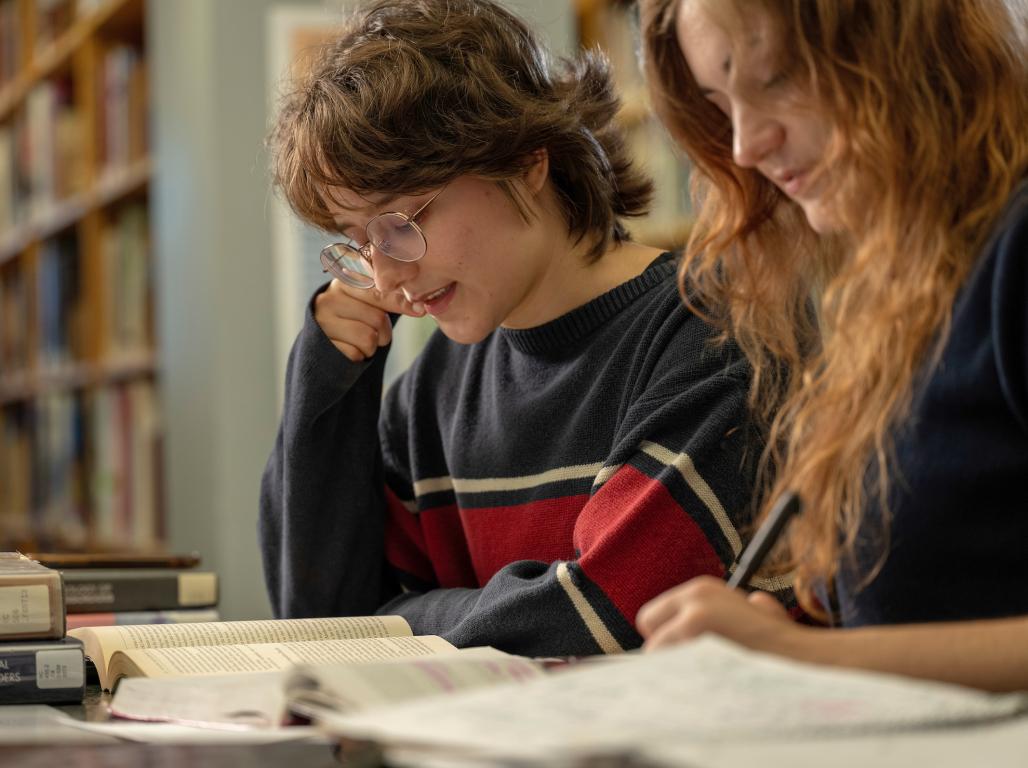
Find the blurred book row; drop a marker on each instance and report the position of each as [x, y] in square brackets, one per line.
[83, 469]
[49, 147]
[44, 596]
[80, 441]
[53, 296]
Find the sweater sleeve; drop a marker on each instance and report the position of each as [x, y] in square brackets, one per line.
[664, 507]
[321, 525]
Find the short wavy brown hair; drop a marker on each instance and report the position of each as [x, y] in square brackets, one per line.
[412, 94]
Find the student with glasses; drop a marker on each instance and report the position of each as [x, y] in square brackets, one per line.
[571, 441]
[864, 172]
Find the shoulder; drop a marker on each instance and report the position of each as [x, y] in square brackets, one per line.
[998, 283]
[1008, 245]
[1004, 267]
[684, 340]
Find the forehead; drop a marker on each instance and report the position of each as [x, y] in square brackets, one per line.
[717, 39]
[340, 200]
[706, 45]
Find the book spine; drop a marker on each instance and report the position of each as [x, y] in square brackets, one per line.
[43, 674]
[129, 618]
[32, 608]
[85, 593]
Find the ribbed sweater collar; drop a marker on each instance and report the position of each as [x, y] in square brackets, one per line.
[581, 321]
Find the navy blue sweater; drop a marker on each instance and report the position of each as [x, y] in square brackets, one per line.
[528, 492]
[958, 538]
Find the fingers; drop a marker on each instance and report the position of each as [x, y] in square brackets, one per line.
[707, 604]
[768, 604]
[677, 629]
[357, 321]
[661, 609]
[679, 614]
[393, 301]
[357, 340]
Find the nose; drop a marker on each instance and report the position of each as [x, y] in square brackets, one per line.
[755, 135]
[389, 273]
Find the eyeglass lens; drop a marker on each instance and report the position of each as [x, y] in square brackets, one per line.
[391, 234]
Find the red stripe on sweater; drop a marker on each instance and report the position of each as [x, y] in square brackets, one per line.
[466, 547]
[404, 543]
[447, 547]
[540, 530]
[636, 541]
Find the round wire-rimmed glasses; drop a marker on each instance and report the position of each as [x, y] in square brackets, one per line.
[392, 233]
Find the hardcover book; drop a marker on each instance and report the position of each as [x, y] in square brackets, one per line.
[123, 618]
[223, 647]
[95, 590]
[31, 599]
[65, 560]
[42, 671]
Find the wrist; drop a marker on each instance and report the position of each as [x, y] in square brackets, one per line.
[804, 643]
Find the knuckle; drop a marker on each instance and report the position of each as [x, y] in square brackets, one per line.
[369, 338]
[703, 587]
[350, 352]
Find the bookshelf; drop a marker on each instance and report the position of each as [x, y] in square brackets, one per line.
[613, 26]
[80, 433]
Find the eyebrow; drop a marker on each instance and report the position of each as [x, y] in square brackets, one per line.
[726, 67]
[372, 207]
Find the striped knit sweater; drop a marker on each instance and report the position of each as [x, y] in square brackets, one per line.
[528, 492]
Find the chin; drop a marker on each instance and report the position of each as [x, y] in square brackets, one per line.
[463, 334]
[820, 218]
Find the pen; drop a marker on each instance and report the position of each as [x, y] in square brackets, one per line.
[785, 508]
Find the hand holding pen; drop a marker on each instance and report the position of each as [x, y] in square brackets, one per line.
[709, 604]
[786, 507]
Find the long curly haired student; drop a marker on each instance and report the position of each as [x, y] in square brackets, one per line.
[569, 443]
[860, 177]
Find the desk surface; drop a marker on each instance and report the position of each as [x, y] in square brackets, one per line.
[33, 737]
[125, 755]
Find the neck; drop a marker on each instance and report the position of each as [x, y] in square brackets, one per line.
[569, 281]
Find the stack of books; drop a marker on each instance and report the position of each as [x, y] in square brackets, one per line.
[38, 664]
[128, 589]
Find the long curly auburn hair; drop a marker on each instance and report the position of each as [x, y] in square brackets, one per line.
[928, 100]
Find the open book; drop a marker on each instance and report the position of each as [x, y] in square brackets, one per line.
[269, 700]
[221, 647]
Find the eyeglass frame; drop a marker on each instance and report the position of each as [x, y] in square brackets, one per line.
[364, 251]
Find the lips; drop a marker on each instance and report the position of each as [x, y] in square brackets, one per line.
[790, 182]
[430, 297]
[426, 297]
[434, 302]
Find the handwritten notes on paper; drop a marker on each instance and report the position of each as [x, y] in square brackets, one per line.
[707, 689]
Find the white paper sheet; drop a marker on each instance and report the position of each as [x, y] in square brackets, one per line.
[709, 689]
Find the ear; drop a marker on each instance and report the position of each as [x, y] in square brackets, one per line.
[537, 170]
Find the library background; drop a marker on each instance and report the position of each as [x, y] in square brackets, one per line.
[151, 283]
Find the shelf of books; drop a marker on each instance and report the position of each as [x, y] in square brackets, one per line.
[79, 418]
[612, 25]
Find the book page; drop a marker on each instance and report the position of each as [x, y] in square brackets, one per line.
[267, 657]
[705, 689]
[245, 700]
[233, 701]
[310, 690]
[102, 642]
